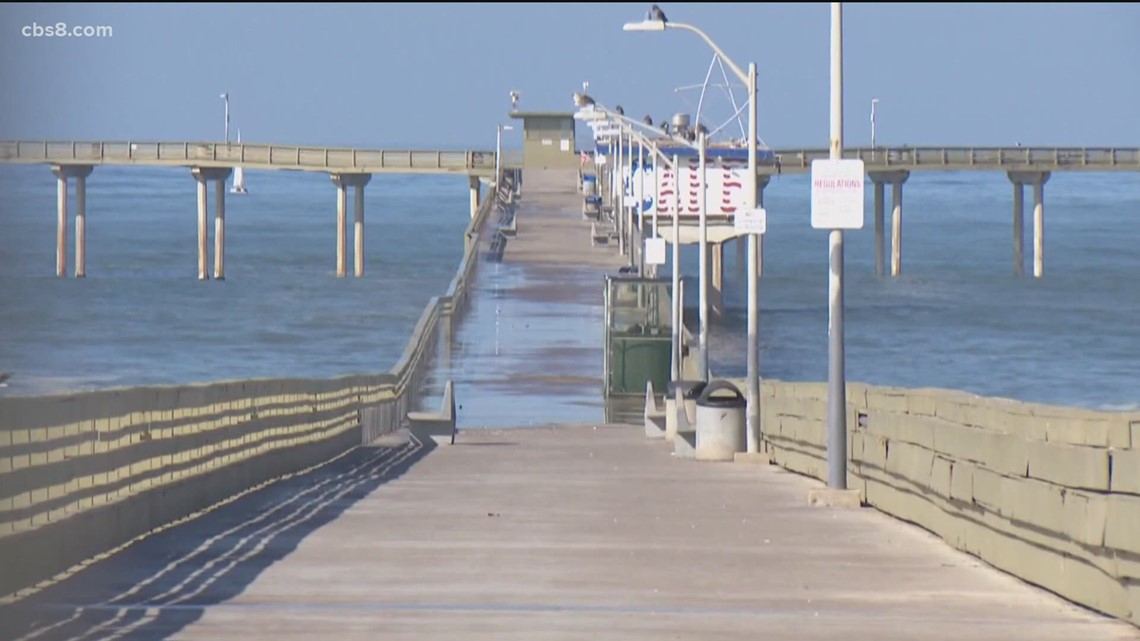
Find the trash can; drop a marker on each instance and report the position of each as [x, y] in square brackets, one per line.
[721, 428]
[690, 390]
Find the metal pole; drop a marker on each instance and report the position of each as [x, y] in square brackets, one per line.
[630, 224]
[641, 207]
[703, 267]
[226, 98]
[874, 101]
[676, 268]
[619, 212]
[498, 152]
[656, 186]
[752, 416]
[836, 383]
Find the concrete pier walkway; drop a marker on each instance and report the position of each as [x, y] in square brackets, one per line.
[569, 531]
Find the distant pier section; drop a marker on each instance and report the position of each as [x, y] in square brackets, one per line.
[549, 142]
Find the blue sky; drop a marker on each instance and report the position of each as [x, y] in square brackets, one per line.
[439, 75]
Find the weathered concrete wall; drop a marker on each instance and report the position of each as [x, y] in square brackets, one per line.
[1048, 494]
[81, 474]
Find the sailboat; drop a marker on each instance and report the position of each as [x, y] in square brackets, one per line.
[239, 175]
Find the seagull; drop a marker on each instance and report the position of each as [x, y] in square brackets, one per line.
[665, 127]
[514, 100]
[619, 110]
[582, 100]
[655, 13]
[647, 120]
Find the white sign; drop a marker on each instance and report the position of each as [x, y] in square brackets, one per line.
[837, 194]
[654, 251]
[750, 222]
[564, 145]
[547, 142]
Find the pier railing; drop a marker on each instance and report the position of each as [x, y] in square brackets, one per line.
[967, 158]
[84, 473]
[482, 163]
[248, 155]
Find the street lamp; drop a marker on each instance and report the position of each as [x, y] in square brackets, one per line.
[499, 151]
[594, 113]
[874, 101]
[750, 197]
[226, 98]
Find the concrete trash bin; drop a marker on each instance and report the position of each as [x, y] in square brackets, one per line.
[690, 390]
[721, 428]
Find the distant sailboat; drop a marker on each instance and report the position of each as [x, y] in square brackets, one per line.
[239, 175]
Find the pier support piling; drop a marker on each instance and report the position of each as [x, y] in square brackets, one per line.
[220, 230]
[203, 175]
[879, 197]
[61, 225]
[1037, 179]
[716, 257]
[343, 182]
[1018, 229]
[62, 173]
[81, 224]
[896, 179]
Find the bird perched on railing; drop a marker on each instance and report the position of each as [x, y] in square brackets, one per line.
[647, 120]
[665, 127]
[619, 111]
[582, 100]
[655, 13]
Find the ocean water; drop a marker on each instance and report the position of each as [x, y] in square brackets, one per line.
[142, 317]
[955, 318]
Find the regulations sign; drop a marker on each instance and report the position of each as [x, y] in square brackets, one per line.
[837, 194]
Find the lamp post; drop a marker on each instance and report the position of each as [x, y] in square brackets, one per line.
[874, 101]
[599, 114]
[750, 202]
[499, 151]
[226, 98]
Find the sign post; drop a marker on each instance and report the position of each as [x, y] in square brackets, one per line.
[836, 204]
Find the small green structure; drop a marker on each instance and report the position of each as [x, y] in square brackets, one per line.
[548, 140]
[638, 334]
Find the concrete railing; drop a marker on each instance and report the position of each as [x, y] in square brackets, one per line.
[248, 155]
[1048, 494]
[81, 474]
[966, 158]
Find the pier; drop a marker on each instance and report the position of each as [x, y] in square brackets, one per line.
[351, 167]
[293, 508]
